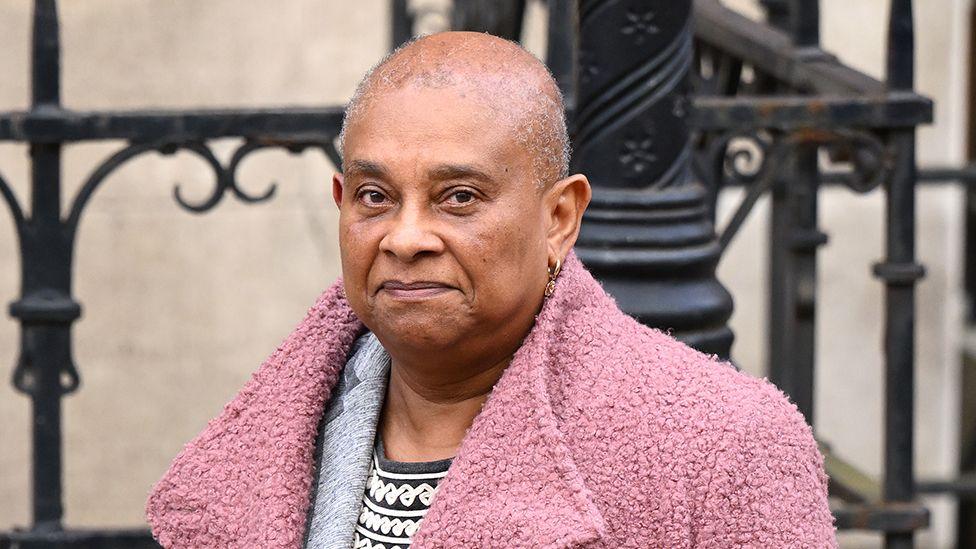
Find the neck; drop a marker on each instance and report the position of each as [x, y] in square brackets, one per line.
[426, 414]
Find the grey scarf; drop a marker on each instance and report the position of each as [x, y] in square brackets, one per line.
[344, 446]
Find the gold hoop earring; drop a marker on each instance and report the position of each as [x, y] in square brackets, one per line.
[553, 273]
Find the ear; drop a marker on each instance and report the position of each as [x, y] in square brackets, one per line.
[337, 189]
[565, 202]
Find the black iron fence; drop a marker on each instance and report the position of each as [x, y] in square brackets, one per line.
[667, 101]
[800, 101]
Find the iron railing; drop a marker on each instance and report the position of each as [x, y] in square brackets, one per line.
[740, 103]
[798, 102]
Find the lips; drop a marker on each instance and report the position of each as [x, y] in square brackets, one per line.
[402, 290]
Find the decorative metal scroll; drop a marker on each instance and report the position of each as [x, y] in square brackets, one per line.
[225, 175]
[226, 181]
[754, 158]
[11, 200]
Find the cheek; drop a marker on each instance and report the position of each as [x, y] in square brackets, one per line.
[358, 242]
[505, 256]
[522, 237]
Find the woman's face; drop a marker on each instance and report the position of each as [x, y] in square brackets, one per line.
[442, 224]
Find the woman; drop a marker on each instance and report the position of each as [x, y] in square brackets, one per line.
[468, 383]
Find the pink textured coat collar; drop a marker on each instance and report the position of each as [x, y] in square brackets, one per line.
[601, 433]
[245, 481]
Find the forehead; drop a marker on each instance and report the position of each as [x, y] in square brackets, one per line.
[422, 124]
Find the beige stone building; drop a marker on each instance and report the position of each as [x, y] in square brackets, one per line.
[180, 308]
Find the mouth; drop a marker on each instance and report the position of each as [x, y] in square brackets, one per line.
[413, 291]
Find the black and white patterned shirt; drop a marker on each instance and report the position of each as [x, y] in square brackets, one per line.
[397, 496]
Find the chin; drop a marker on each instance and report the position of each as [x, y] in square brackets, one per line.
[418, 330]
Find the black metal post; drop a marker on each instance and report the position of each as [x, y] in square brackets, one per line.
[647, 234]
[498, 17]
[560, 48]
[45, 309]
[804, 240]
[900, 273]
[793, 243]
[799, 18]
[805, 22]
[966, 514]
[794, 240]
[401, 23]
[777, 13]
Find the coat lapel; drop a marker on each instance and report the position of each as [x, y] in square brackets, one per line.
[514, 482]
[246, 480]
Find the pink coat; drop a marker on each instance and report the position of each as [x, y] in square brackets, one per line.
[601, 433]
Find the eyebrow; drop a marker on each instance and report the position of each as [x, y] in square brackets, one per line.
[365, 167]
[446, 172]
[442, 172]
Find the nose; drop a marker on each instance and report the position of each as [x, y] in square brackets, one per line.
[411, 235]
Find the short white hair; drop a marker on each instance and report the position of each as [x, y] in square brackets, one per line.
[541, 126]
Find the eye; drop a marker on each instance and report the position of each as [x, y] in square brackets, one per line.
[460, 197]
[372, 197]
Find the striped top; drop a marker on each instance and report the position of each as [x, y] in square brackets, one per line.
[397, 496]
